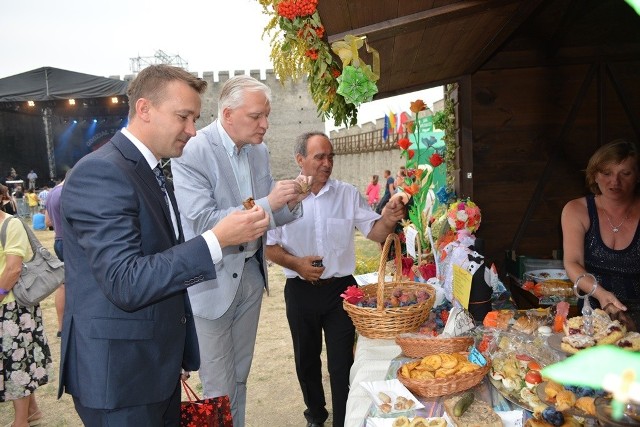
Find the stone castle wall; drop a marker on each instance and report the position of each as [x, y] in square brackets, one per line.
[293, 112]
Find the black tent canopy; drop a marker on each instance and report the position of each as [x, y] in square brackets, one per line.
[49, 89]
[48, 83]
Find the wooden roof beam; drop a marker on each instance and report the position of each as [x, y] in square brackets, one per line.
[415, 21]
[525, 10]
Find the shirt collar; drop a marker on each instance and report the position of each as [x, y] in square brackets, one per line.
[146, 153]
[227, 142]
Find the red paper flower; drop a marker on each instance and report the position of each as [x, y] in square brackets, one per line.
[427, 271]
[411, 153]
[435, 160]
[407, 264]
[404, 143]
[353, 294]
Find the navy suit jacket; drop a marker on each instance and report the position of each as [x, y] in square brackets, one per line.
[127, 322]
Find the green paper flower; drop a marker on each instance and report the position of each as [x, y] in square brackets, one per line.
[355, 86]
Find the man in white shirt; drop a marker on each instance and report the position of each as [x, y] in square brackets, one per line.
[317, 252]
[32, 176]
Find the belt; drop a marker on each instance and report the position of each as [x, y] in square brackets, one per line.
[323, 282]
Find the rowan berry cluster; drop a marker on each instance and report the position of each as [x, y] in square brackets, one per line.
[291, 9]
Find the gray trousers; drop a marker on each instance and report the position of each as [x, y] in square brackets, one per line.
[227, 343]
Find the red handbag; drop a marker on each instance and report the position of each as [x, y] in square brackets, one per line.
[211, 412]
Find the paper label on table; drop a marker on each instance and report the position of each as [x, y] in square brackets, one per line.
[462, 285]
[476, 357]
[459, 322]
[410, 234]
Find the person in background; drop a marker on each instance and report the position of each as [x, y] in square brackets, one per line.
[53, 220]
[7, 202]
[42, 196]
[600, 231]
[373, 192]
[32, 176]
[38, 221]
[318, 255]
[224, 165]
[127, 329]
[25, 357]
[19, 197]
[33, 202]
[389, 189]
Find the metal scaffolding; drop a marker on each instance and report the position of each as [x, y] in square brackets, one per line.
[160, 57]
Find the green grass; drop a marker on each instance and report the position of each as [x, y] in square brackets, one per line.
[367, 255]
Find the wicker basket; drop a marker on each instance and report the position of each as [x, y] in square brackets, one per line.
[418, 347]
[444, 386]
[386, 323]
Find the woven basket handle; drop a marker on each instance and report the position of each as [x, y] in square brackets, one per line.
[391, 238]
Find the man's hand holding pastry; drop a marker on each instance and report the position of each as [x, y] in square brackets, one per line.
[241, 226]
[290, 192]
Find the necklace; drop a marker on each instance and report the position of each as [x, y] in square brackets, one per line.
[616, 228]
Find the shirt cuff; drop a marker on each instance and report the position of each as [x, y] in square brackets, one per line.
[214, 246]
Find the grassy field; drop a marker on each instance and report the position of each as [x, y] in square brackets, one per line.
[274, 397]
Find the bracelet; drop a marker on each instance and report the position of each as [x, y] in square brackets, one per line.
[576, 290]
[4, 291]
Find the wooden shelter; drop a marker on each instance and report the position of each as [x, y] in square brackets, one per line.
[538, 86]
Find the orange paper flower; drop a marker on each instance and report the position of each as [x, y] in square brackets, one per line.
[418, 105]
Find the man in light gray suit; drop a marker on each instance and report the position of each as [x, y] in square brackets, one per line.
[223, 165]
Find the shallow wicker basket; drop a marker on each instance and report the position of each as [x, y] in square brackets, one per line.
[386, 323]
[418, 347]
[444, 386]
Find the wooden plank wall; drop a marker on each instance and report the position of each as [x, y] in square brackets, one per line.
[533, 129]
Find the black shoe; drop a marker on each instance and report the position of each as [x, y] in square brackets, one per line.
[59, 334]
[315, 424]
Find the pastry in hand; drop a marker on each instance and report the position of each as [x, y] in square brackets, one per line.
[304, 184]
[249, 203]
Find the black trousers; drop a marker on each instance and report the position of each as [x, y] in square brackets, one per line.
[312, 309]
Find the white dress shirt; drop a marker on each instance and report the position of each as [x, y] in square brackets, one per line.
[209, 237]
[327, 228]
[240, 165]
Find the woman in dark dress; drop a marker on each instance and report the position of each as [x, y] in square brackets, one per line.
[600, 231]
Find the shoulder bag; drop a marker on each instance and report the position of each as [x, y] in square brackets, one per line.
[210, 412]
[40, 276]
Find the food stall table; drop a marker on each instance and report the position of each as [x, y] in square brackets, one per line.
[378, 359]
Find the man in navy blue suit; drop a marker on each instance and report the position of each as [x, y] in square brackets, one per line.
[128, 327]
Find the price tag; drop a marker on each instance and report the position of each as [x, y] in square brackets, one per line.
[461, 285]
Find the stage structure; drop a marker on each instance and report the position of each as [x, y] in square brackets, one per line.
[77, 112]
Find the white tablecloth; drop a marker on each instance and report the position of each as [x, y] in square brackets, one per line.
[371, 363]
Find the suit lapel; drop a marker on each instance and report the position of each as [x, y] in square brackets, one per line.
[147, 176]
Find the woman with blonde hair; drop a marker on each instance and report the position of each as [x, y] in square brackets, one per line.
[601, 237]
[24, 352]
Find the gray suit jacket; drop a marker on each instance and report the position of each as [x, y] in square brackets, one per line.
[207, 191]
[126, 320]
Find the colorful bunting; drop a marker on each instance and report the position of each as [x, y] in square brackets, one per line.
[385, 131]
